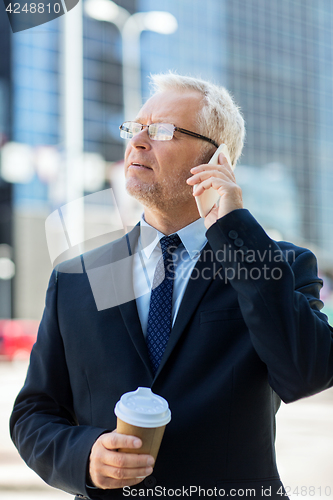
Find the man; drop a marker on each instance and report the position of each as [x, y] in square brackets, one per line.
[246, 327]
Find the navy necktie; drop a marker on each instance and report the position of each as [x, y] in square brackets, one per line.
[160, 307]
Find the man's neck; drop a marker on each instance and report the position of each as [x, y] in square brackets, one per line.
[169, 224]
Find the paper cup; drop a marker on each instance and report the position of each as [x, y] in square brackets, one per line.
[143, 414]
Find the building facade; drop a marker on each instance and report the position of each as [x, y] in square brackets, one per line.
[276, 59]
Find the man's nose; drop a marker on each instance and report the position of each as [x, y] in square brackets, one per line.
[141, 140]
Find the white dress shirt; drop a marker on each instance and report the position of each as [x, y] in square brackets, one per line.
[148, 253]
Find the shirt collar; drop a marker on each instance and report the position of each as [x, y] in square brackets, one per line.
[192, 236]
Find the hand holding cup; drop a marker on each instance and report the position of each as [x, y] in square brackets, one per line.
[143, 414]
[109, 468]
[125, 456]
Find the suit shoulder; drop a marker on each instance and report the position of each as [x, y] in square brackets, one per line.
[99, 256]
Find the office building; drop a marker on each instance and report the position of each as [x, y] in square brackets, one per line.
[276, 59]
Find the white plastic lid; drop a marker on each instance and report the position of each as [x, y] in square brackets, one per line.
[143, 408]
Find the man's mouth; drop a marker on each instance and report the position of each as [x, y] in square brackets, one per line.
[139, 165]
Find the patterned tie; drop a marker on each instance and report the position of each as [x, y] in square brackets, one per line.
[160, 307]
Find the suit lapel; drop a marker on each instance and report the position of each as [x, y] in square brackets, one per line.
[131, 319]
[201, 278]
[128, 308]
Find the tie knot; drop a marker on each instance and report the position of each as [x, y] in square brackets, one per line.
[170, 243]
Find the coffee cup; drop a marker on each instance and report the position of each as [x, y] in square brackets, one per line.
[143, 414]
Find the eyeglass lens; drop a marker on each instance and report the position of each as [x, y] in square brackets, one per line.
[156, 131]
[161, 131]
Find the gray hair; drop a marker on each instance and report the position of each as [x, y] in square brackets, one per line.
[220, 118]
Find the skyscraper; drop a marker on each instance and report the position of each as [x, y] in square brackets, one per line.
[276, 59]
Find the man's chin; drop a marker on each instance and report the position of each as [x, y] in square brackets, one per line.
[147, 195]
[154, 196]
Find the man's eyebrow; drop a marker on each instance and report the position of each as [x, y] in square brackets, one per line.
[157, 120]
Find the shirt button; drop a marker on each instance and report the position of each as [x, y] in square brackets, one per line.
[245, 250]
[150, 481]
[233, 234]
[239, 242]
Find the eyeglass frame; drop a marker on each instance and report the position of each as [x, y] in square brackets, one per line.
[175, 129]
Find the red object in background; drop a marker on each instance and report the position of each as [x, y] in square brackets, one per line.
[17, 336]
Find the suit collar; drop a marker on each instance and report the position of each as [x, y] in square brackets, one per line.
[192, 236]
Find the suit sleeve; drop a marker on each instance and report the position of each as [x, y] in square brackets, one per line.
[278, 293]
[43, 424]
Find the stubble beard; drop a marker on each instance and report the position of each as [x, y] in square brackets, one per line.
[164, 195]
[168, 194]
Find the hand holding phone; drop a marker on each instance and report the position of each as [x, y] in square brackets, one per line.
[209, 197]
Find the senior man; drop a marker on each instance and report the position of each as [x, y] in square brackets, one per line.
[241, 326]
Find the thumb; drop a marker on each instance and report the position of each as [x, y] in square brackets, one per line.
[114, 440]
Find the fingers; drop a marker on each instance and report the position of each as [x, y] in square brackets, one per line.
[109, 477]
[106, 483]
[221, 178]
[114, 440]
[110, 469]
[205, 179]
[201, 175]
[203, 172]
[224, 168]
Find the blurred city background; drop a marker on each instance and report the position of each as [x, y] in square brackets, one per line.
[66, 86]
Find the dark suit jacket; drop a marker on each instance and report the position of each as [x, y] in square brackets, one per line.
[248, 332]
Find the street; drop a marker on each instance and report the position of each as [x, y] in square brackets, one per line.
[304, 446]
[17, 481]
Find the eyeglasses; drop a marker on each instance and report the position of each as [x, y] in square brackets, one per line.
[158, 131]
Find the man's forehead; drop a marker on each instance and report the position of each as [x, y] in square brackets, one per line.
[170, 105]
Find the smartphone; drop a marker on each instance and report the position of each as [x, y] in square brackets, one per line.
[209, 197]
